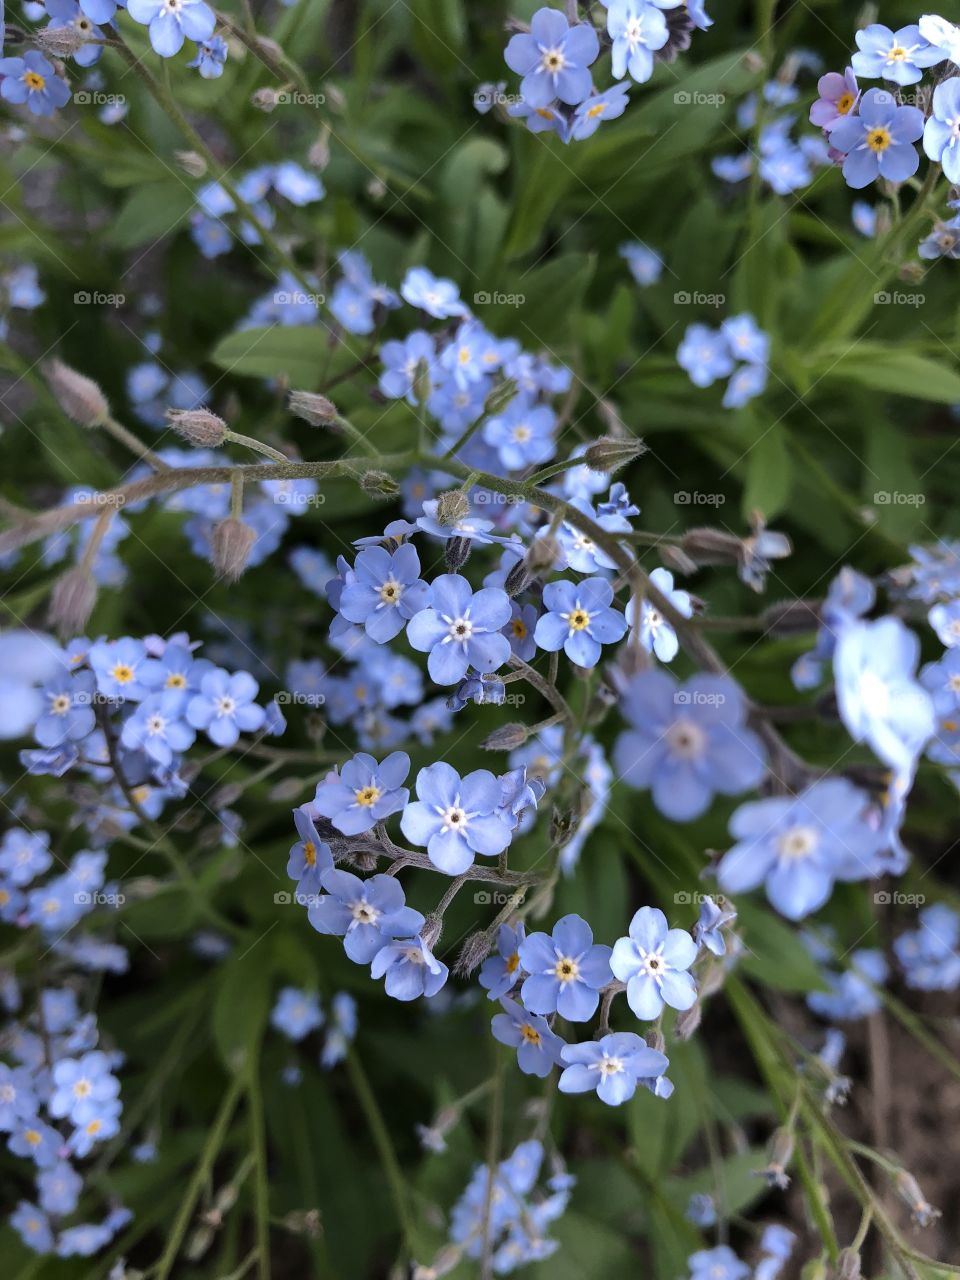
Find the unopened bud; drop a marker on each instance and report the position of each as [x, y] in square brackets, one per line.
[314, 409]
[518, 579]
[379, 484]
[365, 862]
[230, 546]
[908, 1189]
[452, 507]
[422, 386]
[61, 42]
[791, 617]
[198, 426]
[712, 980]
[72, 600]
[911, 272]
[655, 1040]
[266, 99]
[711, 546]
[431, 931]
[472, 954]
[191, 162]
[508, 738]
[318, 157]
[542, 555]
[500, 397]
[563, 826]
[78, 396]
[304, 1222]
[848, 1264]
[687, 1022]
[676, 559]
[609, 453]
[779, 1156]
[456, 553]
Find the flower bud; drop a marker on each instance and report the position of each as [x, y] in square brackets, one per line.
[655, 1040]
[266, 99]
[675, 559]
[472, 954]
[379, 484]
[431, 931]
[314, 409]
[422, 386]
[501, 396]
[78, 396]
[61, 42]
[452, 507]
[230, 547]
[507, 738]
[791, 617]
[543, 555]
[711, 546]
[609, 453]
[199, 427]
[72, 600]
[191, 162]
[848, 1264]
[779, 1156]
[456, 553]
[517, 579]
[318, 157]
[688, 1021]
[922, 1212]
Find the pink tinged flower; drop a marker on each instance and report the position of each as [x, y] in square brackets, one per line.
[839, 96]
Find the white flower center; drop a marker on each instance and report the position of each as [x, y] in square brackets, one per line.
[226, 705]
[686, 739]
[798, 843]
[566, 969]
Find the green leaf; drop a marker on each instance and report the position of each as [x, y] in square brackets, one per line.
[296, 351]
[883, 367]
[774, 953]
[769, 474]
[151, 213]
[240, 1006]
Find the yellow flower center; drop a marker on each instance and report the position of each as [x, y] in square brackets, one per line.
[60, 704]
[579, 620]
[310, 853]
[530, 1034]
[367, 796]
[122, 673]
[176, 681]
[597, 109]
[897, 54]
[513, 963]
[845, 103]
[519, 628]
[34, 81]
[879, 139]
[390, 592]
[566, 969]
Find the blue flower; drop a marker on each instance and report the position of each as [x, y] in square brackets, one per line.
[296, 184]
[33, 1227]
[341, 1029]
[386, 592]
[637, 29]
[470, 355]
[705, 355]
[173, 21]
[17, 1098]
[701, 1210]
[499, 973]
[928, 955]
[310, 857]
[157, 727]
[852, 993]
[655, 633]
[687, 742]
[720, 1263]
[590, 114]
[708, 931]
[462, 629]
[117, 665]
[520, 630]
[878, 143]
[566, 970]
[653, 962]
[68, 714]
[33, 80]
[538, 1048]
[403, 364]
[942, 242]
[68, 13]
[553, 59]
[522, 434]
[479, 689]
[645, 264]
[899, 56]
[59, 1189]
[410, 969]
[542, 119]
[210, 56]
[579, 620]
[455, 818]
[879, 699]
[37, 1141]
[296, 1013]
[747, 341]
[613, 1066]
[364, 792]
[798, 846]
[944, 618]
[365, 913]
[225, 706]
[24, 855]
[746, 383]
[80, 1083]
[439, 297]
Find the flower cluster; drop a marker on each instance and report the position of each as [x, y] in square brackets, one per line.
[708, 354]
[297, 1014]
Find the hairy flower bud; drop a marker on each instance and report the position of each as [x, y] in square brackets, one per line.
[711, 546]
[78, 396]
[501, 396]
[200, 427]
[688, 1021]
[848, 1264]
[452, 507]
[315, 410]
[791, 617]
[379, 484]
[908, 1189]
[507, 738]
[72, 600]
[191, 162]
[431, 930]
[472, 954]
[779, 1156]
[318, 157]
[456, 553]
[266, 99]
[609, 453]
[675, 559]
[542, 555]
[518, 579]
[231, 544]
[61, 42]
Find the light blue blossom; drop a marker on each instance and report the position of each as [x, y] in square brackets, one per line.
[172, 21]
[500, 973]
[613, 1066]
[296, 1013]
[461, 629]
[365, 913]
[878, 142]
[455, 818]
[410, 968]
[553, 58]
[566, 970]
[900, 56]
[579, 619]
[364, 792]
[439, 297]
[538, 1047]
[653, 961]
[638, 29]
